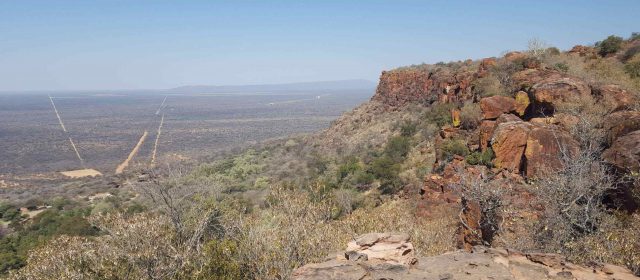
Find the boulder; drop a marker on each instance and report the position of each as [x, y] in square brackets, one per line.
[619, 98]
[621, 123]
[392, 248]
[486, 64]
[522, 102]
[547, 147]
[455, 117]
[507, 118]
[583, 51]
[508, 142]
[544, 120]
[555, 90]
[494, 106]
[485, 132]
[624, 153]
[514, 56]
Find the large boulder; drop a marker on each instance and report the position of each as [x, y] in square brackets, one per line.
[619, 98]
[555, 90]
[508, 142]
[522, 102]
[485, 132]
[494, 106]
[547, 149]
[392, 248]
[621, 123]
[624, 153]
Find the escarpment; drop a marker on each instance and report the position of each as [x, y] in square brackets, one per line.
[524, 143]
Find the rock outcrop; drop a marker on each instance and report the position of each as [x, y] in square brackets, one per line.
[624, 153]
[509, 142]
[547, 149]
[494, 106]
[481, 263]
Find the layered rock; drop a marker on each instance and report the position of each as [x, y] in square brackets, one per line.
[423, 85]
[481, 263]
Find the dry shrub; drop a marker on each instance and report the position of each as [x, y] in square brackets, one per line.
[297, 228]
[470, 115]
[598, 71]
[617, 242]
[490, 85]
[139, 247]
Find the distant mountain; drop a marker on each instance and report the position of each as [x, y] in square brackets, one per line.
[306, 86]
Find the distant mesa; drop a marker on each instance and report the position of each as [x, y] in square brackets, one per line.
[306, 86]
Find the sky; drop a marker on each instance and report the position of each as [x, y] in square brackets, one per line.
[143, 44]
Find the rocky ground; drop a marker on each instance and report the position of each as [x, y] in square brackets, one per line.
[390, 256]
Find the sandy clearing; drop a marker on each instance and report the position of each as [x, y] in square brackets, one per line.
[133, 153]
[81, 173]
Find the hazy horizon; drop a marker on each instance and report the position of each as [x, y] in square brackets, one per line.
[115, 45]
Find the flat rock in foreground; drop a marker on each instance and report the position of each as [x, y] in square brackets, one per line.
[482, 263]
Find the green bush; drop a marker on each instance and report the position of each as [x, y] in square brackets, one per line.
[610, 45]
[552, 51]
[481, 158]
[408, 129]
[397, 148]
[349, 167]
[630, 53]
[220, 261]
[451, 147]
[439, 114]
[561, 66]
[633, 69]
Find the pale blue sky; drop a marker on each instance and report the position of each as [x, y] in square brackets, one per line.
[141, 44]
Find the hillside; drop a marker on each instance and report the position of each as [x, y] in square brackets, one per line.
[535, 151]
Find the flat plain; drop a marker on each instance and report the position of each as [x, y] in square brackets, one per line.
[106, 126]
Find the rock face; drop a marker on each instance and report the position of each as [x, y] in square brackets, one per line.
[621, 98]
[546, 148]
[522, 103]
[621, 123]
[509, 142]
[555, 90]
[481, 263]
[421, 85]
[494, 106]
[624, 153]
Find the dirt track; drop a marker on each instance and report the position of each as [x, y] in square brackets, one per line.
[133, 153]
[155, 145]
